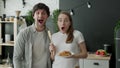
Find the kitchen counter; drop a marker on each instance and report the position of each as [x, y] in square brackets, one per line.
[96, 57]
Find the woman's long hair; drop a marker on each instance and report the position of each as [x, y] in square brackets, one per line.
[70, 29]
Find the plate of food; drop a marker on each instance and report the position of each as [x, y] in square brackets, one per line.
[66, 54]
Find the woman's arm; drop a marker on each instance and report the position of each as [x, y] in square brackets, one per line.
[83, 51]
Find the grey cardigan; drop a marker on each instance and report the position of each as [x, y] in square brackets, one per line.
[22, 57]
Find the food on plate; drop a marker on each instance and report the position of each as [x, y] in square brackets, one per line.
[101, 52]
[65, 53]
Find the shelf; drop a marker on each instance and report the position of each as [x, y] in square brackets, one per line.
[2, 34]
[4, 66]
[6, 44]
[6, 21]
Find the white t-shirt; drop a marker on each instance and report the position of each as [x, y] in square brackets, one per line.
[59, 40]
[39, 59]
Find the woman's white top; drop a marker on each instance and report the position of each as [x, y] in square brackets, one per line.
[59, 40]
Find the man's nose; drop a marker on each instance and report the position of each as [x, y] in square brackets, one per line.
[40, 15]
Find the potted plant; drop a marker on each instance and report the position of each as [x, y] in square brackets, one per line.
[117, 28]
[29, 18]
[55, 18]
[116, 34]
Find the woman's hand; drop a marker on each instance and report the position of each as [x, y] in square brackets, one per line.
[52, 50]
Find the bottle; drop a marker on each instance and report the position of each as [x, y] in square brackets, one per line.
[8, 61]
[4, 16]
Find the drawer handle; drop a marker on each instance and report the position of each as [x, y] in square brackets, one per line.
[96, 63]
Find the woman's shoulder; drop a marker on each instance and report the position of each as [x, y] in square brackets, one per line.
[55, 34]
[77, 32]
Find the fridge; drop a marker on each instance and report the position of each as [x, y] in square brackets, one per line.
[117, 48]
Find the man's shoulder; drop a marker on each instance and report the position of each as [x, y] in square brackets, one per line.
[26, 30]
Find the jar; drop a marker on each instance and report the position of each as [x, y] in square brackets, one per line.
[107, 48]
[11, 19]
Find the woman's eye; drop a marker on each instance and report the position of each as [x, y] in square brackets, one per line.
[60, 20]
[66, 20]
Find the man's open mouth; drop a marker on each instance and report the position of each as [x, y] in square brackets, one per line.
[40, 21]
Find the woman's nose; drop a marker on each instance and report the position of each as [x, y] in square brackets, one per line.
[63, 23]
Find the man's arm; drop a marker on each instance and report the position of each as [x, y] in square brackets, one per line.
[19, 50]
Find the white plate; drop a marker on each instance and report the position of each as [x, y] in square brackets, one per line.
[68, 56]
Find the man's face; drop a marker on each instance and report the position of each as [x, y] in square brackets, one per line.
[40, 16]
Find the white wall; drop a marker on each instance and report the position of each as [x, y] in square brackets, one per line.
[13, 5]
[0, 7]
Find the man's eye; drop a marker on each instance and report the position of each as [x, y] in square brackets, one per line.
[37, 13]
[43, 13]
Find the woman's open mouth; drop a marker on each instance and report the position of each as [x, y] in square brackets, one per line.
[62, 28]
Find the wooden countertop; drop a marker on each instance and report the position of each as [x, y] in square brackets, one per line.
[96, 57]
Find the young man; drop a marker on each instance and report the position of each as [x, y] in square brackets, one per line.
[31, 49]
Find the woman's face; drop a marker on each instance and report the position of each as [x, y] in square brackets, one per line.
[40, 17]
[63, 23]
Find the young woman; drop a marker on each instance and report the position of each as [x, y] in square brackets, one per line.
[67, 39]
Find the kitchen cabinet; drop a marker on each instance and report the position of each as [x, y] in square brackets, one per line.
[93, 61]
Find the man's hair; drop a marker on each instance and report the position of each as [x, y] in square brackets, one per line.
[41, 6]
